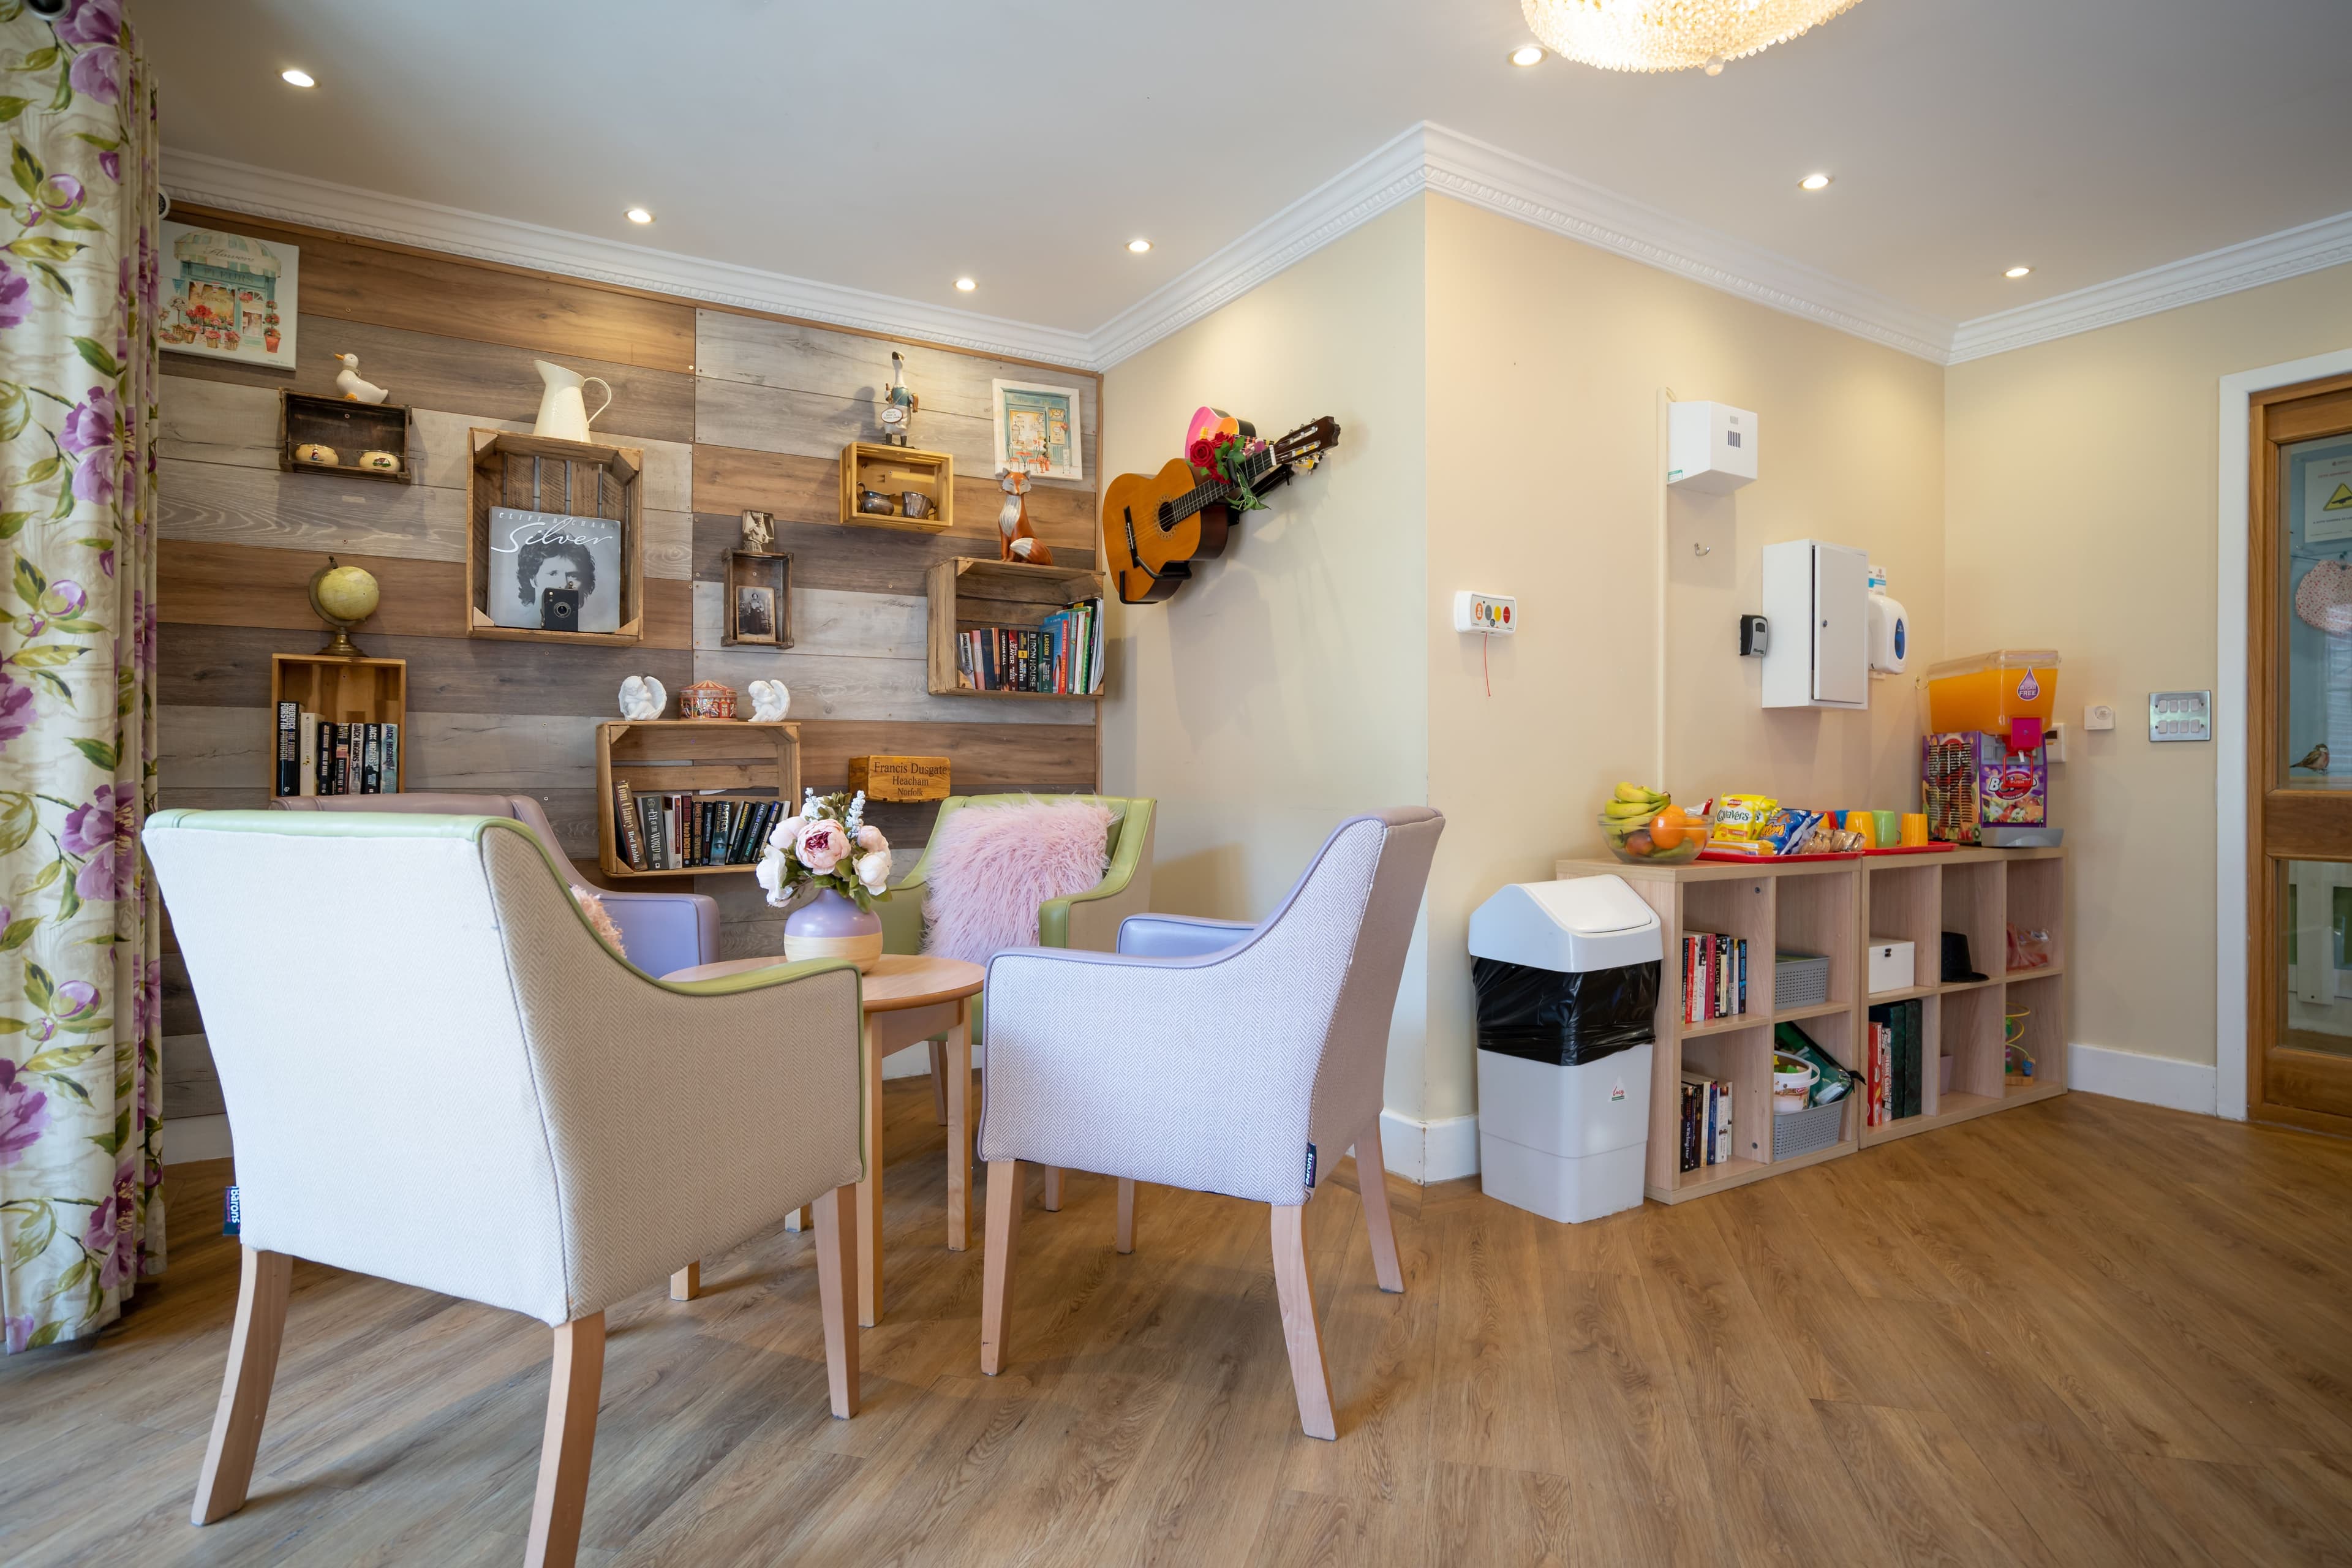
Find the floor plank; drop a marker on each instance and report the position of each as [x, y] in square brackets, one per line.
[2083, 1332]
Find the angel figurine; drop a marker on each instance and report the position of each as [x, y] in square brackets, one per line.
[898, 404]
[643, 698]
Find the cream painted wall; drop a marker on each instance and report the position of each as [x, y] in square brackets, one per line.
[2079, 510]
[1286, 688]
[1548, 360]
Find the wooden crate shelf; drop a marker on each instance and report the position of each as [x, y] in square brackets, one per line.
[1836, 908]
[343, 691]
[571, 479]
[711, 759]
[972, 591]
[895, 470]
[348, 429]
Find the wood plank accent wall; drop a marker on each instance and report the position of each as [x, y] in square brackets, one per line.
[733, 411]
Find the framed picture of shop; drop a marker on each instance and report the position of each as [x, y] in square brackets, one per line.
[229, 296]
[1036, 427]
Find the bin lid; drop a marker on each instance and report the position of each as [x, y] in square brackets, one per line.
[2000, 658]
[1577, 924]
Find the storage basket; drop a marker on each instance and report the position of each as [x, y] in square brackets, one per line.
[1800, 979]
[1808, 1130]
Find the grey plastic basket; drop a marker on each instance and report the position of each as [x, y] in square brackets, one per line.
[1800, 979]
[1807, 1130]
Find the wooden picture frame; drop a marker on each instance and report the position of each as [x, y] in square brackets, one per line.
[759, 607]
[1057, 447]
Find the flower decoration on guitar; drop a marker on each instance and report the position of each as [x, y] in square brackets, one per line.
[829, 846]
[1219, 456]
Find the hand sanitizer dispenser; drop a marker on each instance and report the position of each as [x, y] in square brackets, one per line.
[1890, 629]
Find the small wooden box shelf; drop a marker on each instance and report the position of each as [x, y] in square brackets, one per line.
[895, 470]
[711, 759]
[343, 691]
[1836, 907]
[764, 572]
[972, 591]
[575, 478]
[349, 429]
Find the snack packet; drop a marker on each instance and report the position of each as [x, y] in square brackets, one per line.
[1743, 819]
[1789, 827]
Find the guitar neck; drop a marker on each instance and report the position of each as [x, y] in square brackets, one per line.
[1216, 491]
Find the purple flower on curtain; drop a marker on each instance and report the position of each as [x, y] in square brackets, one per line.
[146, 993]
[111, 1224]
[94, 480]
[19, 1332]
[150, 274]
[15, 292]
[24, 1114]
[91, 425]
[76, 997]
[112, 164]
[100, 830]
[89, 22]
[143, 615]
[99, 74]
[15, 709]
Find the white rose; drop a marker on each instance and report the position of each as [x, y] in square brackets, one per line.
[787, 833]
[771, 876]
[870, 837]
[873, 870]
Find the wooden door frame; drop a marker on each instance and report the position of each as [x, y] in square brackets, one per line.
[2237, 771]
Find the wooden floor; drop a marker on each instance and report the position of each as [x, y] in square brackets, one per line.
[2081, 1332]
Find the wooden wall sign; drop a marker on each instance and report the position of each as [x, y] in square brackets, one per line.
[899, 778]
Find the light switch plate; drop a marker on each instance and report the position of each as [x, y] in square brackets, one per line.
[1494, 615]
[2180, 716]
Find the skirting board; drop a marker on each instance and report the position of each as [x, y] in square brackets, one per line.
[1425, 1152]
[195, 1138]
[2152, 1081]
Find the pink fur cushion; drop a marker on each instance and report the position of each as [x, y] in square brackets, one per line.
[991, 866]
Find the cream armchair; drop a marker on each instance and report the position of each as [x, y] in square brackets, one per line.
[438, 1074]
[1221, 1057]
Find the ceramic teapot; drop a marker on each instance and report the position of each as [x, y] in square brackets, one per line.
[563, 410]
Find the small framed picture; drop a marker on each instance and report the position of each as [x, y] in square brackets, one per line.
[228, 296]
[755, 614]
[1037, 429]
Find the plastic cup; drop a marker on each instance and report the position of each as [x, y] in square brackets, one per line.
[1862, 822]
[1915, 827]
[1890, 827]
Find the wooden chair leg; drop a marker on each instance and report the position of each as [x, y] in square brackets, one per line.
[574, 1384]
[961, 1120]
[1053, 1189]
[940, 1080]
[1372, 1180]
[1299, 1334]
[266, 1281]
[1125, 1215]
[687, 1283]
[996, 1272]
[836, 1234]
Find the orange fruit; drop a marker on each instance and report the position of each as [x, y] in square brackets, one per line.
[1666, 827]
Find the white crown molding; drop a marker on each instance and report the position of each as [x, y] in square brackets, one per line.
[198, 179]
[2286, 254]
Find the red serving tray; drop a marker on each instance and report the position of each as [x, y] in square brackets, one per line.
[1727, 859]
[1934, 848]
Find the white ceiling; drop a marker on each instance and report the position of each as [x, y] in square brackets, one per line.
[891, 147]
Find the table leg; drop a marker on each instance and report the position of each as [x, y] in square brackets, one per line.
[958, 1074]
[869, 1191]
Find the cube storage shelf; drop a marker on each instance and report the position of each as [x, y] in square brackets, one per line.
[713, 759]
[971, 591]
[343, 690]
[1834, 908]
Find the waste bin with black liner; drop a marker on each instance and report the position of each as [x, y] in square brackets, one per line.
[1567, 976]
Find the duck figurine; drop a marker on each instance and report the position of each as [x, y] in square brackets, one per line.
[354, 390]
[898, 404]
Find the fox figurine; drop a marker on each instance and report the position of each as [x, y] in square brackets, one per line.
[1019, 542]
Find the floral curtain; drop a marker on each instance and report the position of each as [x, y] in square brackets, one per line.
[82, 1210]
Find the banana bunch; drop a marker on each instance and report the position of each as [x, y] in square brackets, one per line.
[1633, 806]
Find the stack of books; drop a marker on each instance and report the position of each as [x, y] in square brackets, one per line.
[671, 832]
[1715, 976]
[316, 757]
[1893, 1063]
[1706, 1121]
[1061, 656]
[680, 832]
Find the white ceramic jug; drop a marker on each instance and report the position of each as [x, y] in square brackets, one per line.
[562, 411]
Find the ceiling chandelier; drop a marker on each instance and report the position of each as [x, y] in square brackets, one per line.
[1672, 35]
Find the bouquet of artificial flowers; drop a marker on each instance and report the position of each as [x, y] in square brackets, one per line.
[829, 845]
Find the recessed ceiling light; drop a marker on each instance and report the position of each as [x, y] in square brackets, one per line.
[639, 215]
[1815, 183]
[295, 75]
[965, 285]
[1526, 55]
[2017, 272]
[1139, 245]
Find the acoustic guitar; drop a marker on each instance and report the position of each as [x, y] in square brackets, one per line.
[1156, 525]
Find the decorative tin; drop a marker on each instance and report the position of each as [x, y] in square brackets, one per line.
[707, 700]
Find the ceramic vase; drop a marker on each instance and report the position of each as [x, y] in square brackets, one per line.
[832, 926]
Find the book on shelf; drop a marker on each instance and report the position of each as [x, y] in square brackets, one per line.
[1715, 976]
[1061, 656]
[306, 755]
[1706, 1121]
[289, 748]
[317, 756]
[682, 832]
[1896, 1040]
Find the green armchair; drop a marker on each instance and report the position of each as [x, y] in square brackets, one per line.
[1088, 921]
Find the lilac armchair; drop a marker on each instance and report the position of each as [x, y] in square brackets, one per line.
[663, 932]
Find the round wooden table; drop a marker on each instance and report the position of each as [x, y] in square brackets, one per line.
[907, 998]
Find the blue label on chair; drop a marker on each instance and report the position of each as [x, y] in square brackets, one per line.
[1310, 1165]
[232, 1213]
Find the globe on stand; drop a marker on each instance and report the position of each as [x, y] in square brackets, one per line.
[342, 596]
